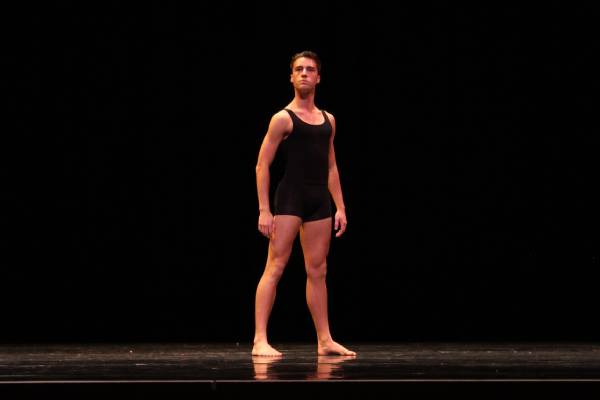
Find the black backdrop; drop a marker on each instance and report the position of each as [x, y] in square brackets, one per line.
[464, 147]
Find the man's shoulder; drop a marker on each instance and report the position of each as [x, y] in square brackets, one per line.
[329, 115]
[281, 114]
[281, 121]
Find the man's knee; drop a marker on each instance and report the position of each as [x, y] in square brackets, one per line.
[316, 270]
[275, 268]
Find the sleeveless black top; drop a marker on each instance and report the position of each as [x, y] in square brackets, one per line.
[306, 151]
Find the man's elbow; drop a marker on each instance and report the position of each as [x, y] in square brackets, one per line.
[261, 167]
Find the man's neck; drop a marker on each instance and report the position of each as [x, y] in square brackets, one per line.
[304, 102]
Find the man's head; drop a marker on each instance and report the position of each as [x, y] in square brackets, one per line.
[307, 54]
[306, 71]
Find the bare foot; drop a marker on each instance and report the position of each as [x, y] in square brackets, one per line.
[332, 347]
[264, 349]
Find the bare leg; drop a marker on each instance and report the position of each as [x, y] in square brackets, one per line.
[315, 237]
[280, 247]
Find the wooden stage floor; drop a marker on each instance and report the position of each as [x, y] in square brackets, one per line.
[218, 369]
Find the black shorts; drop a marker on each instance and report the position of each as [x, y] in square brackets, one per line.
[310, 202]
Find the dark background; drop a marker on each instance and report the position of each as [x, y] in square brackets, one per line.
[465, 148]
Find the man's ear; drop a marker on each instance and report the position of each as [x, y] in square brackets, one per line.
[292, 78]
[318, 78]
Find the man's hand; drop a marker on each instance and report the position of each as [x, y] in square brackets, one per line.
[340, 222]
[266, 225]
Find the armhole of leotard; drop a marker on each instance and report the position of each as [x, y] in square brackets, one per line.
[291, 114]
[326, 117]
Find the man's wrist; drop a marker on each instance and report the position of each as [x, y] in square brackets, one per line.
[264, 210]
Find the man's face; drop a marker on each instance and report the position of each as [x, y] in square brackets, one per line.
[305, 75]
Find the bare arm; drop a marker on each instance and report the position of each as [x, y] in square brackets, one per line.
[335, 187]
[279, 126]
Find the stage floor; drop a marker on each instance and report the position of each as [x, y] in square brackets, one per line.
[217, 363]
[228, 371]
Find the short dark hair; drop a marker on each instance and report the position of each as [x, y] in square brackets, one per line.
[308, 54]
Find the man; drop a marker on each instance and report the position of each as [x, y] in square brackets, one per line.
[302, 203]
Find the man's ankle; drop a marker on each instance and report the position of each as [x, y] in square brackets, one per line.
[325, 339]
[260, 340]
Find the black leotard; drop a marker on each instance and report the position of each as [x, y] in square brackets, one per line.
[303, 190]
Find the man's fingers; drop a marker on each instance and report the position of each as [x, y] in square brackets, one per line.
[267, 230]
[341, 231]
[264, 230]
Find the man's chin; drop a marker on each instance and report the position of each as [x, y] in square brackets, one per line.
[305, 90]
